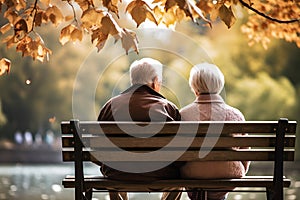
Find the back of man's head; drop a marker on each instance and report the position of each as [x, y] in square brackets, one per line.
[145, 70]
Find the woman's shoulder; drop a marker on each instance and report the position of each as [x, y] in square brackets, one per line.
[187, 108]
[234, 114]
[190, 112]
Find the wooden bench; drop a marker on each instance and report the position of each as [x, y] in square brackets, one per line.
[88, 141]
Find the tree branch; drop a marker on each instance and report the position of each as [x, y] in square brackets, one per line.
[34, 10]
[74, 12]
[266, 16]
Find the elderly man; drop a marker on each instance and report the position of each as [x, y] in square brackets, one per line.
[141, 102]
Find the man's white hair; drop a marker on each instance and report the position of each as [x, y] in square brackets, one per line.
[206, 78]
[145, 70]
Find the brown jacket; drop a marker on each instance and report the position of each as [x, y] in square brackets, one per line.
[140, 103]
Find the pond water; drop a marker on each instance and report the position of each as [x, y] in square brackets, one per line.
[43, 182]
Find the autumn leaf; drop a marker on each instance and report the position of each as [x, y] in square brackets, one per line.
[111, 5]
[193, 8]
[108, 27]
[5, 28]
[84, 4]
[12, 16]
[140, 11]
[170, 3]
[20, 5]
[21, 29]
[99, 37]
[91, 18]
[34, 48]
[205, 6]
[70, 33]
[170, 17]
[39, 18]
[129, 40]
[54, 14]
[227, 15]
[4, 66]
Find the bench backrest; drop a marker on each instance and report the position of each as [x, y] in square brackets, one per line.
[182, 141]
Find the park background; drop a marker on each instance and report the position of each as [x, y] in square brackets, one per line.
[35, 97]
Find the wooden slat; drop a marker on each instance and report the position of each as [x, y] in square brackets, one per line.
[158, 142]
[104, 184]
[173, 127]
[191, 155]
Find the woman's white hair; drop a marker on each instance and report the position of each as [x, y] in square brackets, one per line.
[206, 78]
[145, 70]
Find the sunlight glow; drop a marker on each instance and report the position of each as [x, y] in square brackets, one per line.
[56, 188]
[28, 82]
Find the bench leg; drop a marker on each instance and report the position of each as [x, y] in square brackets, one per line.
[89, 194]
[268, 193]
[199, 195]
[273, 194]
[118, 195]
[79, 195]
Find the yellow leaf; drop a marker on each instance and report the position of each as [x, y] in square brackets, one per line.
[139, 15]
[170, 3]
[70, 33]
[158, 14]
[226, 15]
[205, 6]
[33, 48]
[5, 28]
[170, 17]
[140, 11]
[39, 18]
[12, 16]
[129, 40]
[109, 25]
[20, 5]
[193, 8]
[215, 12]
[111, 5]
[84, 4]
[4, 66]
[76, 35]
[179, 14]
[21, 25]
[100, 38]
[21, 29]
[65, 34]
[54, 14]
[91, 18]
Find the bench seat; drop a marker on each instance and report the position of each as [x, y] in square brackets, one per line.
[102, 183]
[121, 142]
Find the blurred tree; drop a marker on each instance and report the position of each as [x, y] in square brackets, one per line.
[3, 119]
[37, 96]
[101, 19]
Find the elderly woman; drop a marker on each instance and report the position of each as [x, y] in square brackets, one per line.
[206, 81]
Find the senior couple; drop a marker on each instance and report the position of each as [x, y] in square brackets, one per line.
[145, 103]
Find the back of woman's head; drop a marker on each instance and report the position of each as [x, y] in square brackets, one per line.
[206, 78]
[145, 70]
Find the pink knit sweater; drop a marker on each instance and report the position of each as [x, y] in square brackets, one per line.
[211, 107]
